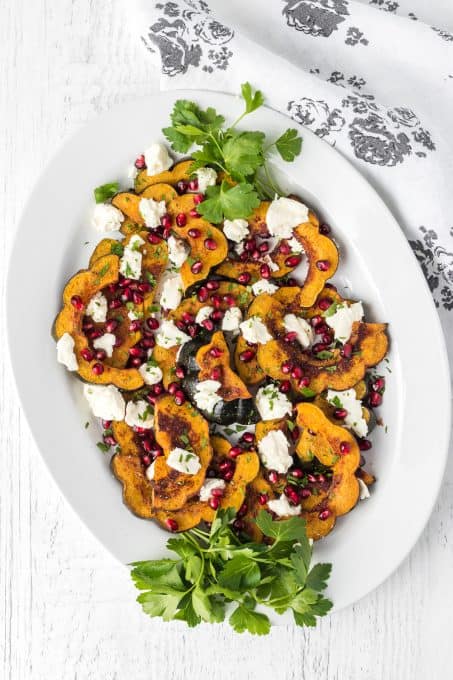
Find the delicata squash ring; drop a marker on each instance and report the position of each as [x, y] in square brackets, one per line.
[85, 284]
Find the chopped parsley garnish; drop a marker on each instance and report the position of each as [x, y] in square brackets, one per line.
[105, 192]
[117, 249]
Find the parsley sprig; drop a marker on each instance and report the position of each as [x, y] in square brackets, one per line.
[241, 155]
[215, 569]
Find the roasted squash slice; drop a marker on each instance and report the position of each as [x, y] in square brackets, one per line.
[249, 371]
[232, 269]
[232, 386]
[196, 511]
[334, 447]
[259, 492]
[129, 203]
[102, 249]
[180, 171]
[166, 358]
[85, 285]
[137, 490]
[201, 259]
[182, 427]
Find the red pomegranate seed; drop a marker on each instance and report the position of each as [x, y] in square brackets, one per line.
[126, 295]
[180, 397]
[115, 304]
[97, 369]
[318, 347]
[225, 465]
[148, 343]
[378, 384]
[216, 373]
[250, 245]
[198, 198]
[196, 267]
[210, 244]
[136, 361]
[375, 399]
[118, 342]
[140, 162]
[255, 255]
[324, 514]
[217, 493]
[326, 339]
[248, 437]
[135, 351]
[193, 184]
[77, 302]
[194, 233]
[316, 321]
[346, 352]
[101, 354]
[106, 424]
[340, 413]
[305, 493]
[181, 325]
[285, 386]
[194, 213]
[87, 354]
[262, 499]
[134, 326]
[284, 248]
[182, 186]
[124, 283]
[324, 303]
[324, 229]
[173, 386]
[187, 317]
[244, 277]
[146, 460]
[303, 382]
[265, 271]
[216, 352]
[311, 478]
[247, 355]
[214, 503]
[165, 221]
[181, 219]
[216, 300]
[172, 524]
[158, 389]
[144, 287]
[365, 444]
[203, 294]
[94, 334]
[137, 298]
[234, 452]
[242, 510]
[180, 372]
[293, 260]
[154, 238]
[272, 477]
[212, 285]
[192, 330]
[297, 372]
[243, 257]
[111, 325]
[238, 524]
[228, 475]
[152, 323]
[208, 324]
[345, 448]
[286, 367]
[263, 247]
[297, 473]
[323, 265]
[229, 300]
[290, 337]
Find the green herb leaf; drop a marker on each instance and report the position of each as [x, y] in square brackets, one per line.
[240, 573]
[243, 154]
[103, 447]
[253, 100]
[243, 619]
[289, 145]
[117, 249]
[105, 192]
[226, 202]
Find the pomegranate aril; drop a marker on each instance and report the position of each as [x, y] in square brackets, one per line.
[144, 287]
[284, 248]
[263, 247]
[77, 302]
[229, 300]
[217, 315]
[216, 373]
[196, 267]
[97, 369]
[216, 352]
[146, 460]
[194, 213]
[255, 254]
[228, 476]
[214, 502]
[265, 271]
[324, 514]
[210, 244]
[297, 473]
[126, 295]
[109, 440]
[158, 389]
[316, 321]
[181, 325]
[134, 326]
[238, 524]
[136, 361]
[297, 372]
[180, 372]
[235, 451]
[115, 304]
[345, 447]
[378, 384]
[290, 337]
[187, 317]
[272, 477]
[323, 265]
[180, 397]
[101, 355]
[247, 355]
[242, 510]
[212, 285]
[140, 162]
[324, 229]
[305, 493]
[225, 465]
[111, 325]
[94, 334]
[311, 478]
[136, 351]
[250, 245]
[192, 330]
[375, 399]
[244, 277]
[88, 355]
[181, 219]
[216, 300]
[285, 386]
[293, 260]
[303, 382]
[173, 387]
[203, 294]
[243, 257]
[248, 437]
[217, 493]
[182, 186]
[208, 324]
[340, 413]
[165, 221]
[262, 499]
[198, 198]
[324, 303]
[346, 352]
[286, 367]
[193, 185]
[365, 444]
[148, 343]
[172, 524]
[152, 323]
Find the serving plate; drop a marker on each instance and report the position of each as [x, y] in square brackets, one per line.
[54, 239]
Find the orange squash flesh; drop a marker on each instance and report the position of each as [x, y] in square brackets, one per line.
[180, 171]
[232, 386]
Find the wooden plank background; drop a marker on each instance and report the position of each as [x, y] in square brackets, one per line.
[67, 609]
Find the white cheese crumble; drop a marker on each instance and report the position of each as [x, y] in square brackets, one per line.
[295, 245]
[295, 324]
[97, 308]
[138, 414]
[254, 331]
[364, 491]
[283, 215]
[206, 396]
[157, 159]
[273, 451]
[208, 487]
[271, 403]
[203, 314]
[131, 261]
[264, 286]
[184, 461]
[105, 342]
[172, 291]
[150, 471]
[169, 335]
[273, 266]
[151, 373]
[343, 318]
[106, 401]
[207, 177]
[283, 508]
[347, 399]
[236, 230]
[231, 319]
[132, 172]
[65, 352]
[106, 217]
[178, 251]
[152, 211]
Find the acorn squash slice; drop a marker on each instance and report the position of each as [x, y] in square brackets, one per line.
[180, 171]
[129, 203]
[232, 386]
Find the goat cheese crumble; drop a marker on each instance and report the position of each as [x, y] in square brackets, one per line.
[271, 403]
[283, 215]
[183, 461]
[273, 451]
[354, 419]
[65, 352]
[255, 331]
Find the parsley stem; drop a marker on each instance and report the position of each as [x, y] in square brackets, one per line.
[219, 148]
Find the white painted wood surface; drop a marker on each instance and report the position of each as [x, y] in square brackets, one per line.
[67, 609]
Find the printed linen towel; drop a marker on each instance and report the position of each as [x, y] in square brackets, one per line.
[374, 78]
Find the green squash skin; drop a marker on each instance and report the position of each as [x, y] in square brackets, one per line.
[241, 411]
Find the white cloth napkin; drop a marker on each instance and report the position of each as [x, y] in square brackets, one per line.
[373, 78]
